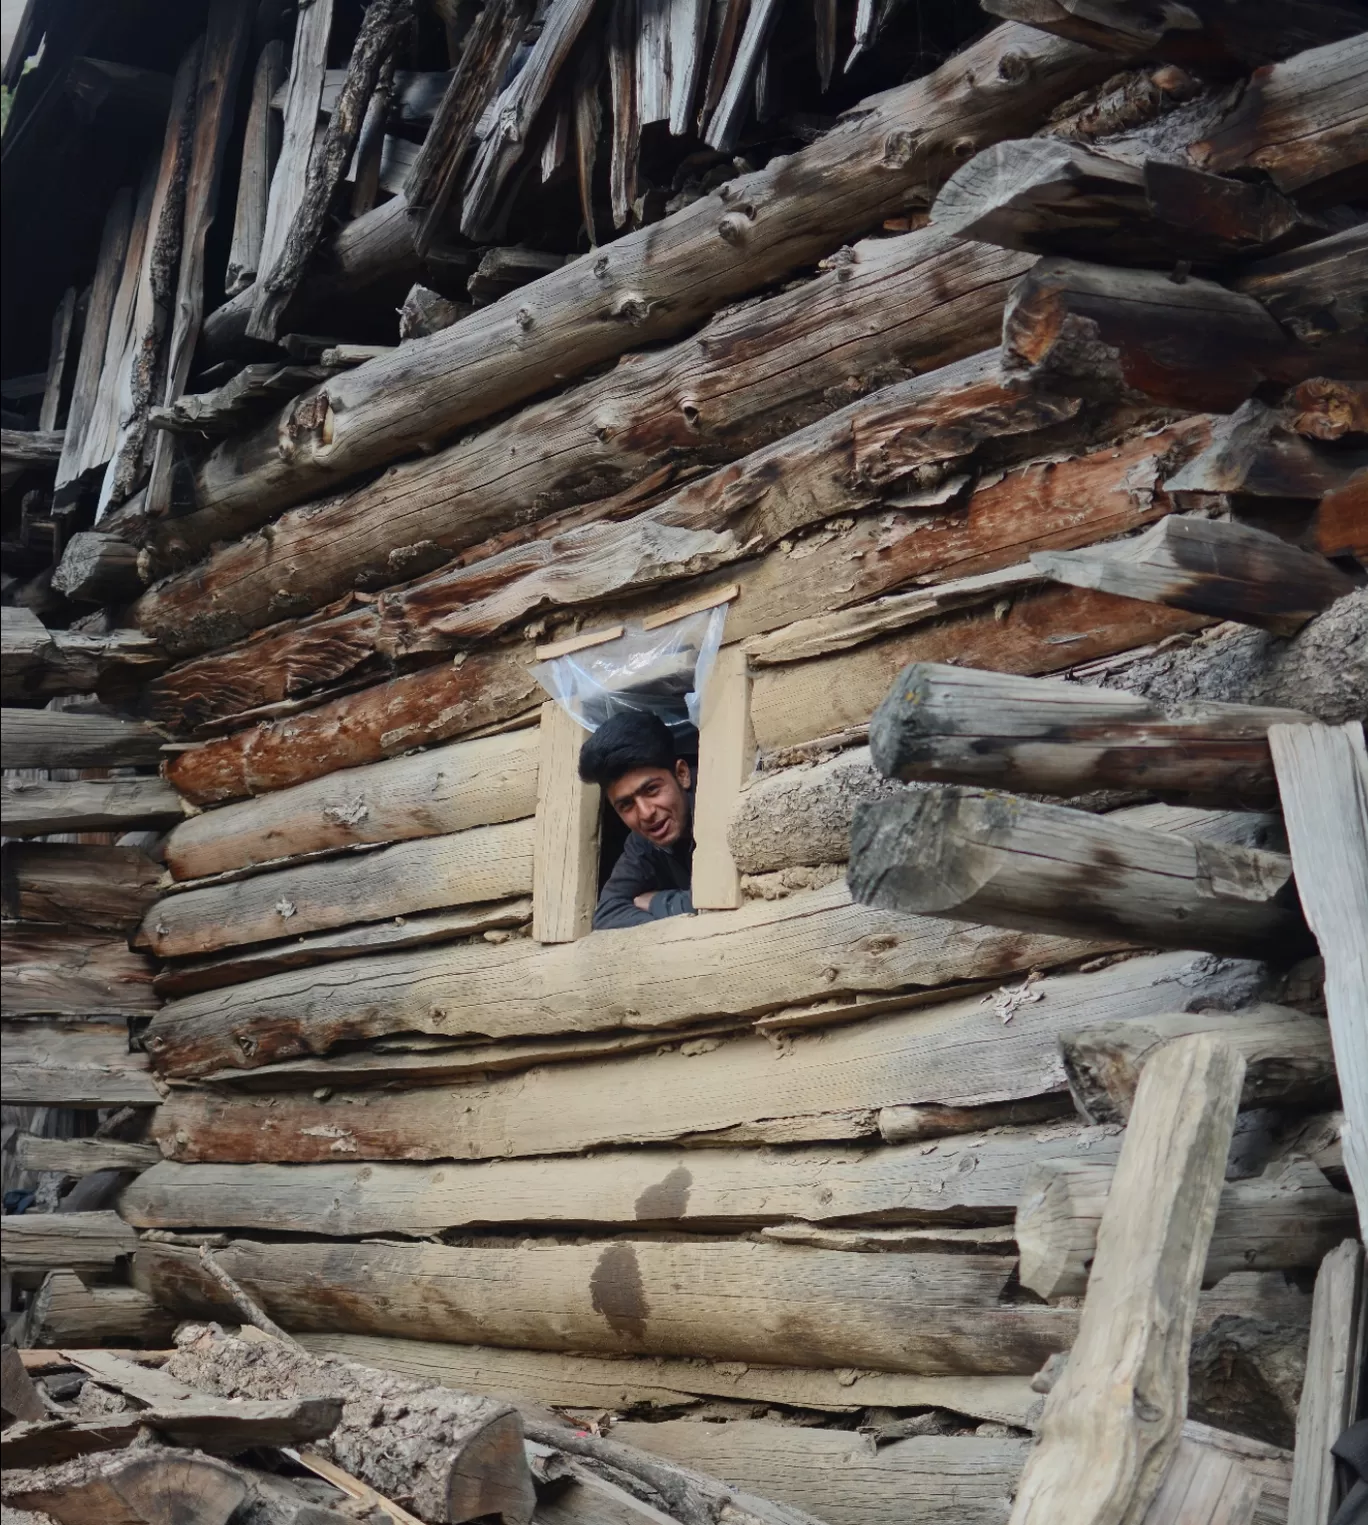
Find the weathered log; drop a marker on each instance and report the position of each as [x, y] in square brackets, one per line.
[36, 663]
[1262, 452]
[18, 1396]
[828, 1085]
[59, 360]
[74, 1064]
[239, 400]
[38, 807]
[75, 1241]
[142, 1486]
[103, 887]
[974, 1177]
[26, 449]
[1323, 776]
[1341, 526]
[590, 311]
[98, 568]
[1010, 862]
[1319, 293]
[1211, 567]
[80, 1156]
[1288, 1059]
[260, 145]
[916, 301]
[944, 724]
[1112, 1423]
[455, 1456]
[55, 739]
[462, 868]
[427, 312]
[64, 1311]
[47, 972]
[1285, 1220]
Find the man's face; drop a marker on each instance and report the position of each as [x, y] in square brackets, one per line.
[652, 802]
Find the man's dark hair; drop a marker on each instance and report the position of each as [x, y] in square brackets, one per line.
[629, 740]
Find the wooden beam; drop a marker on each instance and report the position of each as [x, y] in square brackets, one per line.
[81, 1156]
[1323, 777]
[57, 739]
[107, 888]
[822, 1086]
[260, 146]
[1012, 862]
[240, 399]
[72, 973]
[1341, 527]
[65, 1311]
[944, 724]
[1317, 292]
[74, 1241]
[1211, 567]
[972, 1177]
[74, 1064]
[1326, 1407]
[1113, 1421]
[726, 756]
[36, 663]
[1262, 452]
[566, 834]
[98, 568]
[39, 807]
[62, 321]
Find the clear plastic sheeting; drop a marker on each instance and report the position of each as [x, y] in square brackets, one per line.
[658, 672]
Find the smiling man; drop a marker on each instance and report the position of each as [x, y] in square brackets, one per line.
[632, 759]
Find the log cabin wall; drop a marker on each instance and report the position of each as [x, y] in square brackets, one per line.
[1007, 380]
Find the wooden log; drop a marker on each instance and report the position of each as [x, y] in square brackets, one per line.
[1204, 1486]
[1323, 776]
[38, 807]
[973, 1177]
[36, 663]
[260, 146]
[1010, 862]
[1326, 1406]
[483, 864]
[917, 301]
[142, 1486]
[64, 1311]
[823, 1086]
[30, 449]
[566, 833]
[1211, 567]
[1319, 294]
[250, 963]
[75, 1241]
[1257, 452]
[1287, 1055]
[239, 400]
[80, 1064]
[98, 568]
[640, 297]
[1113, 1421]
[945, 724]
[81, 1156]
[80, 974]
[928, 1314]
[1341, 519]
[1284, 1220]
[107, 888]
[53, 739]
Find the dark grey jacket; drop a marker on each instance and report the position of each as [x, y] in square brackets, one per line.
[642, 868]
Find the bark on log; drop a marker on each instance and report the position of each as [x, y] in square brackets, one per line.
[1010, 862]
[57, 739]
[942, 724]
[72, 973]
[98, 568]
[1113, 1421]
[823, 1086]
[88, 1242]
[74, 1064]
[970, 1178]
[1226, 571]
[455, 1456]
[1284, 1220]
[729, 242]
[1288, 1059]
[1247, 1375]
[108, 888]
[38, 807]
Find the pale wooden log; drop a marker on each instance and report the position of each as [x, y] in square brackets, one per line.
[62, 321]
[81, 974]
[39, 807]
[1011, 862]
[53, 739]
[30, 449]
[1287, 1055]
[822, 1086]
[228, 30]
[64, 1311]
[80, 1156]
[445, 789]
[946, 724]
[149, 1485]
[75, 1241]
[86, 382]
[886, 1241]
[482, 864]
[1285, 1220]
[96, 886]
[74, 1064]
[729, 1301]
[249, 963]
[726, 755]
[971, 1177]
[1112, 1423]
[651, 977]
[36, 663]
[1326, 1407]
[1211, 567]
[455, 1456]
[260, 145]
[566, 834]
[624, 1382]
[98, 568]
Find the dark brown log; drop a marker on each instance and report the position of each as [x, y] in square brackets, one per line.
[53, 739]
[1010, 862]
[1341, 527]
[1263, 452]
[38, 807]
[108, 888]
[71, 973]
[1190, 344]
[955, 725]
[658, 281]
[1319, 293]
[1211, 567]
[622, 89]
[1327, 409]
[97, 568]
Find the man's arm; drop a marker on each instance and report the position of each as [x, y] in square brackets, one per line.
[636, 873]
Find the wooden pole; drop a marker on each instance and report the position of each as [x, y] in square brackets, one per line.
[726, 755]
[565, 858]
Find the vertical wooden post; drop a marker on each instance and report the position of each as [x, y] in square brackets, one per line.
[565, 844]
[1113, 1421]
[726, 755]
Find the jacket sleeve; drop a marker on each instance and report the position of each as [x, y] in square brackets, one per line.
[633, 874]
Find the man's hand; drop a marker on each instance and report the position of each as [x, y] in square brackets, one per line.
[643, 902]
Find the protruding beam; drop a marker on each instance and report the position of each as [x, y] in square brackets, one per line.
[73, 1241]
[57, 739]
[39, 807]
[98, 568]
[1264, 452]
[37, 663]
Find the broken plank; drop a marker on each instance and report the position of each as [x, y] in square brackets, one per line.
[40, 807]
[260, 146]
